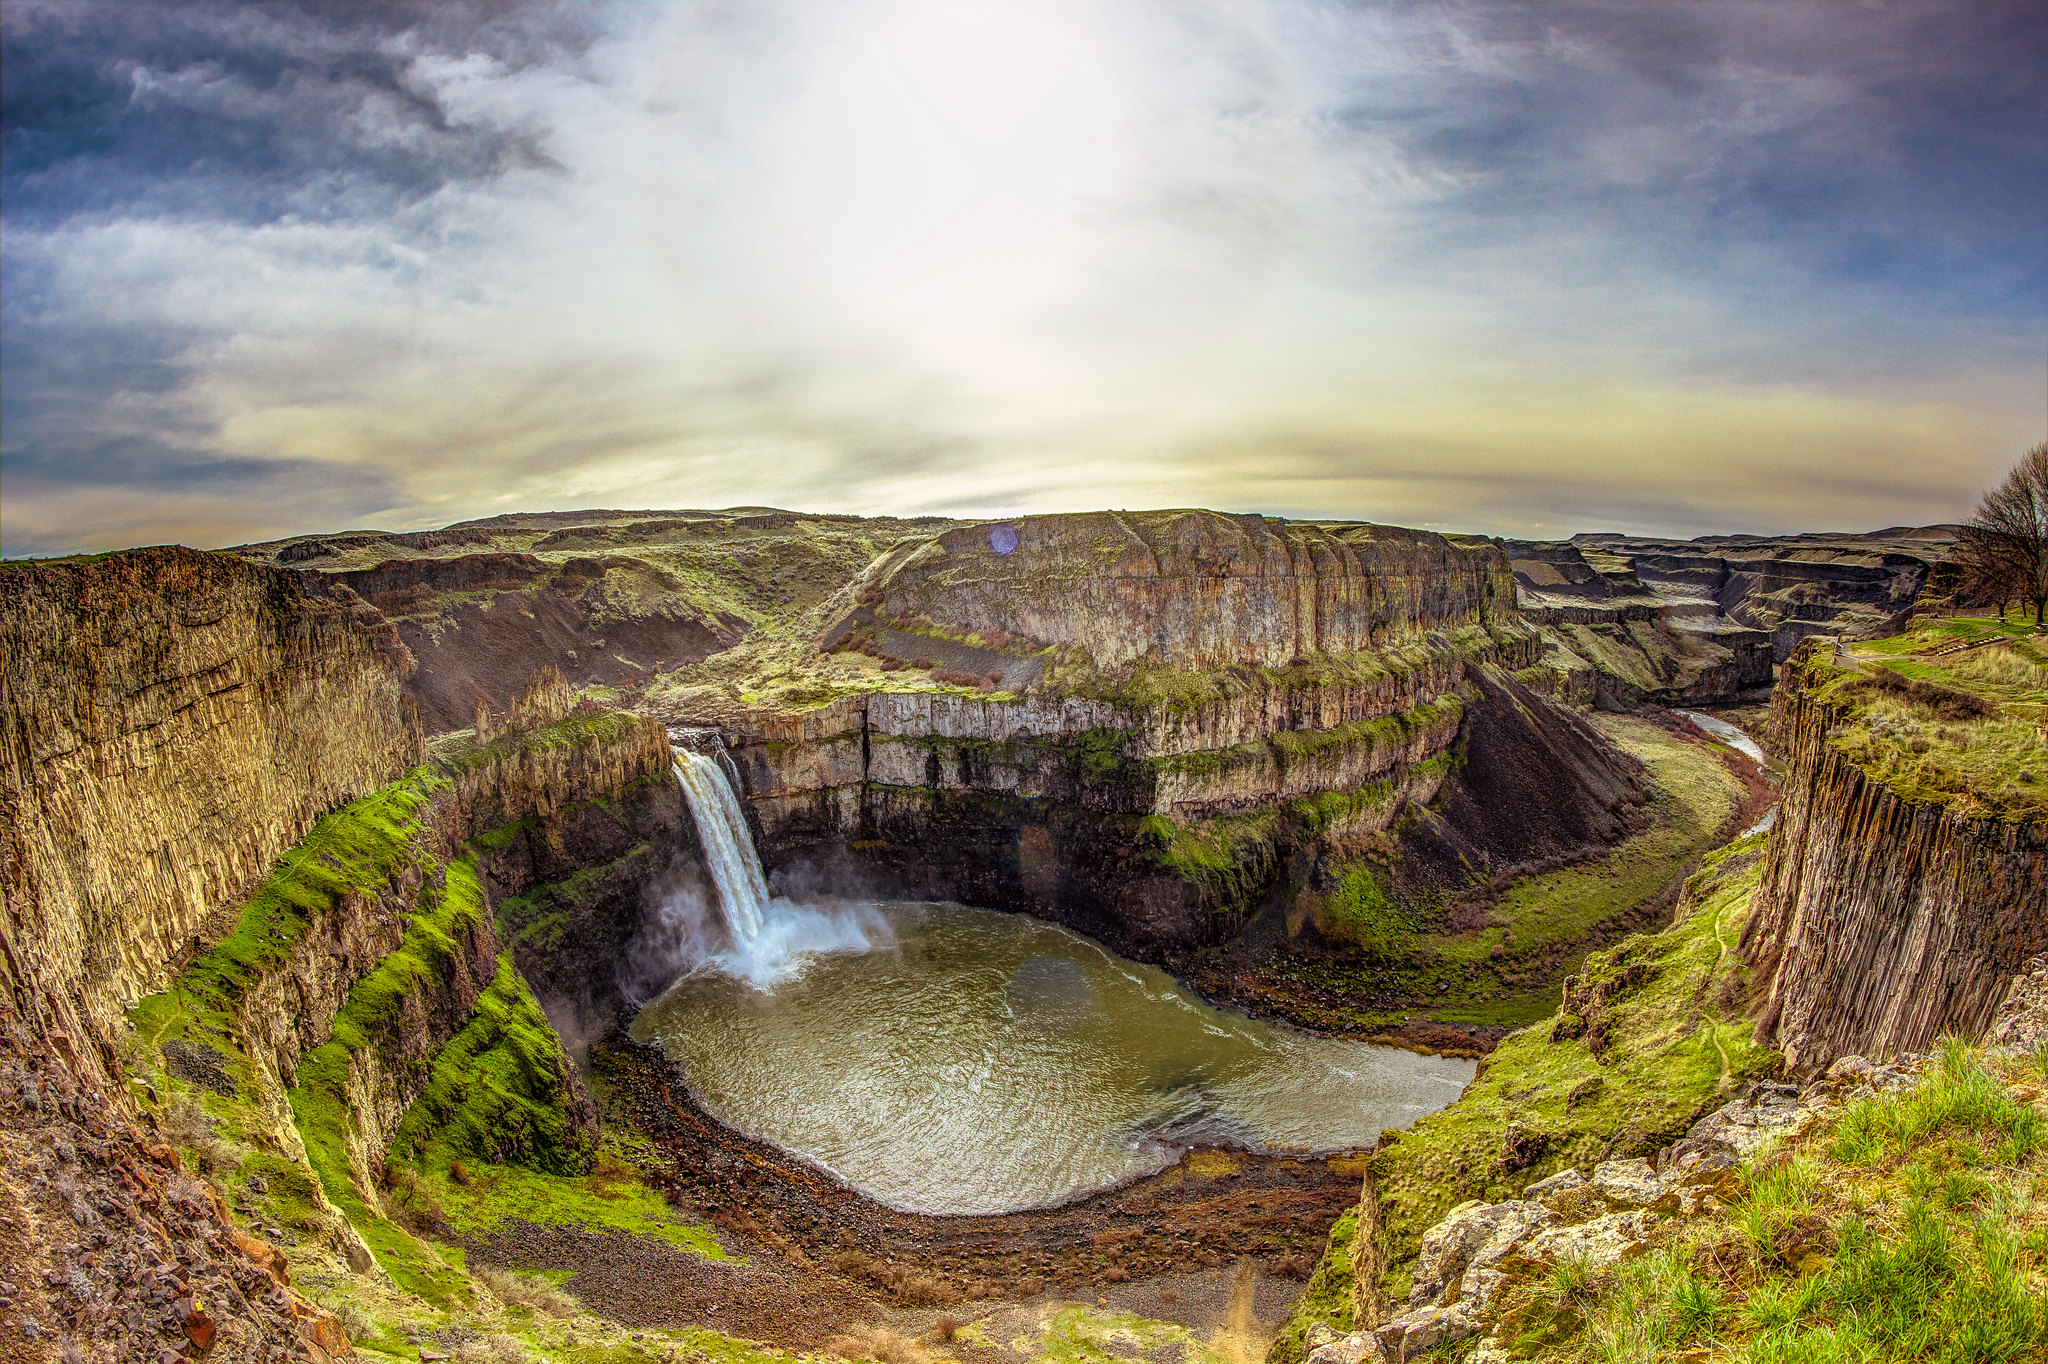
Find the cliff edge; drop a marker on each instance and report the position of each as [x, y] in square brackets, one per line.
[1908, 877]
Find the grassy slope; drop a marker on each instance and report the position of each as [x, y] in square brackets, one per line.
[1674, 1047]
[478, 1088]
[1988, 767]
[1910, 1226]
[1457, 978]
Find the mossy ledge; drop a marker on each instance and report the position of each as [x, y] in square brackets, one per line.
[361, 1044]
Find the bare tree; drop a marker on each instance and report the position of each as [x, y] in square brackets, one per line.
[2006, 539]
[1982, 575]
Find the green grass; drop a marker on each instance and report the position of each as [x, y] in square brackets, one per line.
[1980, 767]
[361, 849]
[1359, 912]
[1668, 1050]
[500, 1090]
[1233, 858]
[1327, 1299]
[611, 1196]
[331, 1078]
[1692, 794]
[1149, 685]
[459, 752]
[1910, 1226]
[1505, 974]
[540, 918]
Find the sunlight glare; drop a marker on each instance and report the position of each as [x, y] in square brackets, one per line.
[942, 162]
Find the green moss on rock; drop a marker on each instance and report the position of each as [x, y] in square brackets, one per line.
[501, 1090]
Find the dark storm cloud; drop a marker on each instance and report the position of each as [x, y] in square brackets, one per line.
[1895, 143]
[253, 112]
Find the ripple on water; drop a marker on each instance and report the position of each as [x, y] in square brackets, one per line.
[990, 1062]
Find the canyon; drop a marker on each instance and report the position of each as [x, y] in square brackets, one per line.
[337, 867]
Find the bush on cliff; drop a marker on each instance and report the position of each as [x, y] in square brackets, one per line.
[1359, 912]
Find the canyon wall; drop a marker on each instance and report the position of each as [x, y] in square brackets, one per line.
[1611, 640]
[1196, 588]
[1221, 691]
[1882, 922]
[170, 722]
[229, 870]
[1791, 586]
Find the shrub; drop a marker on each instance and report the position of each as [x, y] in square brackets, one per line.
[527, 1290]
[1945, 702]
[1359, 912]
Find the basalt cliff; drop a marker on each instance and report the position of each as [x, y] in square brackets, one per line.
[1892, 908]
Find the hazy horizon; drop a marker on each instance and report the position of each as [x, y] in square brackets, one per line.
[1506, 269]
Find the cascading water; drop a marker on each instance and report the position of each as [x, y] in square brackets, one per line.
[728, 846]
[770, 938]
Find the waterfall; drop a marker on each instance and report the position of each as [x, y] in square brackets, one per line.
[771, 938]
[728, 845]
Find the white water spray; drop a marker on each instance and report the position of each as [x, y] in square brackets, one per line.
[771, 938]
[728, 846]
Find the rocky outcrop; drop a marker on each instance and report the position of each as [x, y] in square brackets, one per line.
[1308, 682]
[173, 721]
[1882, 922]
[1790, 586]
[1479, 1251]
[1611, 640]
[1195, 589]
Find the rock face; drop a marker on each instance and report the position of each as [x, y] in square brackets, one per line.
[1478, 1250]
[1196, 588]
[1320, 680]
[200, 755]
[1790, 586]
[479, 623]
[173, 721]
[1882, 923]
[1612, 640]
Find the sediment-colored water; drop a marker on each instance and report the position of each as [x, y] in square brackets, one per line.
[985, 1062]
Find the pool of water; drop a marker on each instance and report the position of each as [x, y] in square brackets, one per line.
[988, 1062]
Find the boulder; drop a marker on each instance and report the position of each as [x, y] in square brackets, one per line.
[266, 1256]
[1472, 1232]
[2022, 1019]
[1326, 1345]
[1415, 1333]
[1631, 1183]
[1563, 1182]
[1740, 1128]
[1850, 1069]
[1604, 1240]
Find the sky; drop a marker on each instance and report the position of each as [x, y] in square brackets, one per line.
[1519, 269]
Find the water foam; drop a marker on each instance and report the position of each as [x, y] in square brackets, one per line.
[768, 939]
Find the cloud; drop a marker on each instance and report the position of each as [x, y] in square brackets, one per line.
[1510, 267]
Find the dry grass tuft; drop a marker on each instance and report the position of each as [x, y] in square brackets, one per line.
[862, 1341]
[527, 1290]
